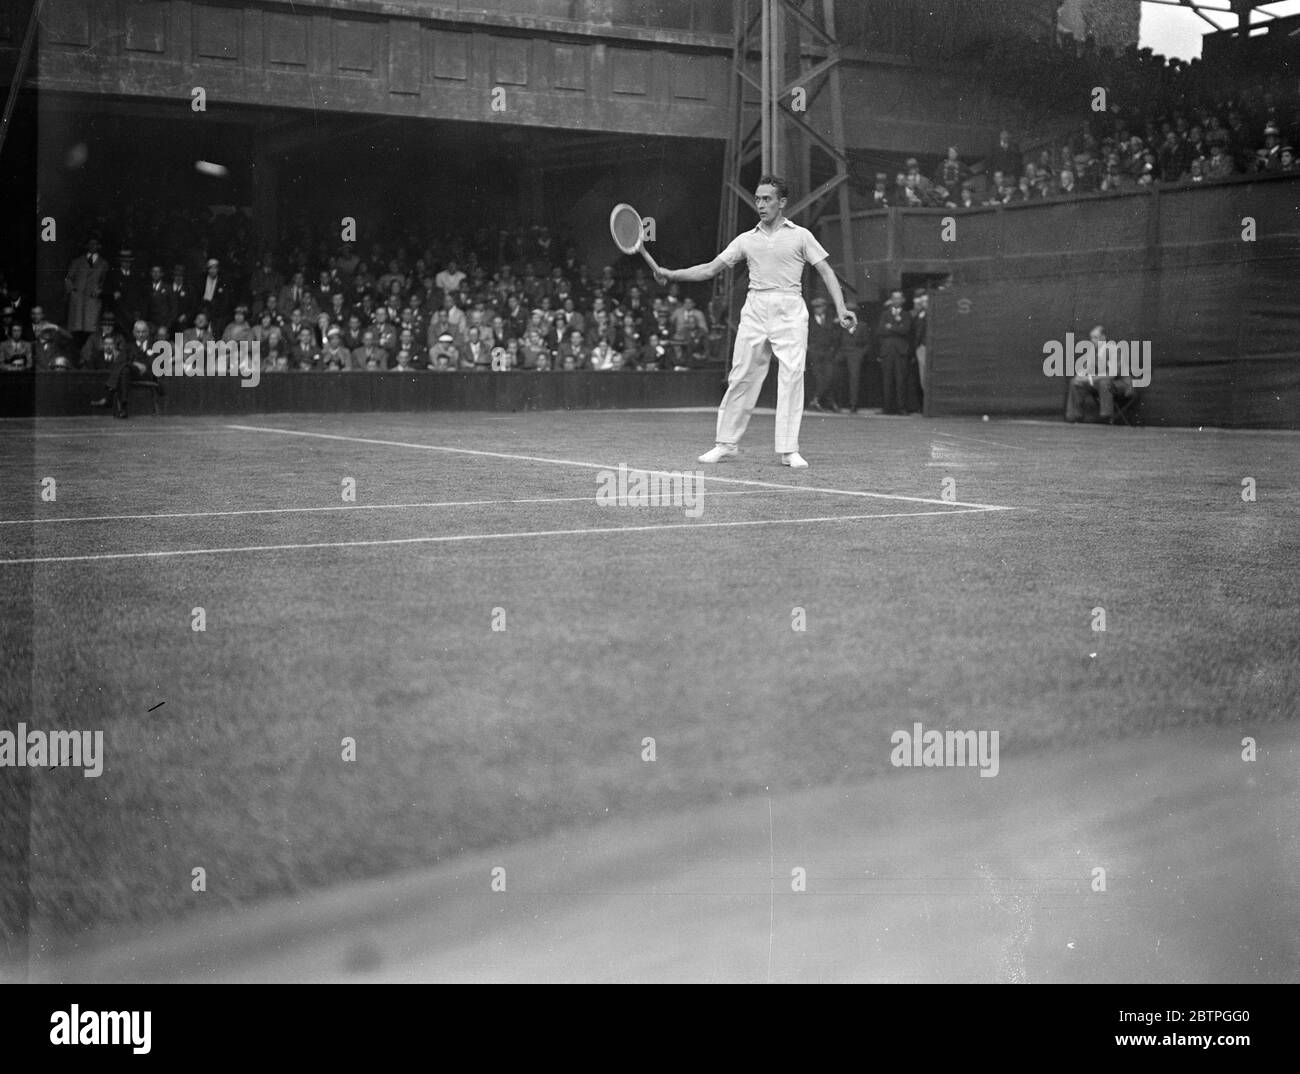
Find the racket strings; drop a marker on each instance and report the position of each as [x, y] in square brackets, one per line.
[626, 227]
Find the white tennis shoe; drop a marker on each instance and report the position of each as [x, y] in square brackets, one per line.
[720, 452]
[794, 460]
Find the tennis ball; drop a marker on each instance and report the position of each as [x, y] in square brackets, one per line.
[985, 418]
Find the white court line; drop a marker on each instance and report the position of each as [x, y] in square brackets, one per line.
[9, 436]
[482, 537]
[311, 510]
[605, 466]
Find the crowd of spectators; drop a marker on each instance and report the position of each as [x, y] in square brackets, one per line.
[1195, 123]
[510, 300]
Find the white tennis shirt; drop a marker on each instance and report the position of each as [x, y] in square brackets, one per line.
[776, 261]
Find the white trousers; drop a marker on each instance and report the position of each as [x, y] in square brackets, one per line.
[772, 322]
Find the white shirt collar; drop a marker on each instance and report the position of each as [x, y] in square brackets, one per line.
[785, 222]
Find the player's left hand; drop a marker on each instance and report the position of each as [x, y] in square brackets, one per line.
[849, 321]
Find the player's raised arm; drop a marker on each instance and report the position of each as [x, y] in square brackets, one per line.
[846, 317]
[694, 274]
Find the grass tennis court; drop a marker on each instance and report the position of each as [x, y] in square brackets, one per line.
[373, 620]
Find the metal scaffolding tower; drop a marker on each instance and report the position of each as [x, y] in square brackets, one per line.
[786, 52]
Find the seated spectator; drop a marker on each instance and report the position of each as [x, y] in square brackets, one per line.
[402, 361]
[265, 323]
[406, 342]
[271, 307]
[1288, 161]
[1147, 174]
[1065, 185]
[1005, 156]
[49, 348]
[1114, 177]
[654, 355]
[1220, 165]
[370, 355]
[441, 362]
[295, 295]
[337, 309]
[16, 352]
[238, 330]
[304, 354]
[418, 316]
[450, 278]
[1096, 382]
[919, 188]
[272, 348]
[497, 332]
[993, 192]
[1270, 155]
[476, 354]
[1197, 172]
[602, 355]
[322, 328]
[296, 323]
[1172, 159]
[335, 356]
[113, 353]
[628, 339]
[880, 196]
[1032, 188]
[455, 316]
[1134, 158]
[264, 281]
[444, 347]
[952, 172]
[131, 363]
[1087, 172]
[93, 354]
[385, 330]
[533, 354]
[573, 352]
[353, 333]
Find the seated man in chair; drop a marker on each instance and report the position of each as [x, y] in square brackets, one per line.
[1097, 375]
[131, 364]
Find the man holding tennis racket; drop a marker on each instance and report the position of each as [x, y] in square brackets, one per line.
[774, 320]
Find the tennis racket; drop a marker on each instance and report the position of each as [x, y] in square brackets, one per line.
[626, 230]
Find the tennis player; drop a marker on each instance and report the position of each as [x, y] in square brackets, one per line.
[773, 321]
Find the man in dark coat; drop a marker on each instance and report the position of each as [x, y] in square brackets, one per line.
[855, 344]
[158, 300]
[823, 354]
[894, 348]
[125, 289]
[181, 298]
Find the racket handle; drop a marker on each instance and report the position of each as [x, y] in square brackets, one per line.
[648, 259]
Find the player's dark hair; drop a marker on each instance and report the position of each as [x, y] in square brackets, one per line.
[782, 191]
